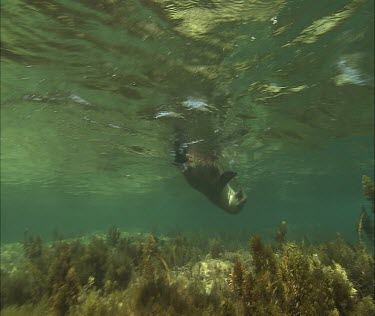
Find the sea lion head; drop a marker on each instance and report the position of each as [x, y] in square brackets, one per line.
[231, 200]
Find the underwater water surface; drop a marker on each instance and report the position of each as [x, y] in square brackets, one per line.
[91, 93]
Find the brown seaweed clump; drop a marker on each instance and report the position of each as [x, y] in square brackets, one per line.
[155, 275]
[365, 226]
[368, 188]
[281, 233]
[113, 236]
[297, 282]
[236, 278]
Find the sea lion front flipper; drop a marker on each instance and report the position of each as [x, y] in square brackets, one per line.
[225, 178]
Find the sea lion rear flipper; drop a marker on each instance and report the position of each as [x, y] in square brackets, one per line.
[225, 178]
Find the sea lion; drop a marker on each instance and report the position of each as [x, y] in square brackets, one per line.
[204, 174]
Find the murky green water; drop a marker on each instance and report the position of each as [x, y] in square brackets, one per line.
[91, 92]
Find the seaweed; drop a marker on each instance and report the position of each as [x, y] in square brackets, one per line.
[15, 289]
[365, 226]
[113, 236]
[119, 272]
[263, 256]
[65, 294]
[281, 233]
[154, 275]
[368, 188]
[156, 295]
[93, 262]
[176, 252]
[216, 248]
[131, 250]
[295, 282]
[358, 264]
[236, 278]
[149, 262]
[32, 246]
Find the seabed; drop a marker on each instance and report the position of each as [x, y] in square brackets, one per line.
[120, 273]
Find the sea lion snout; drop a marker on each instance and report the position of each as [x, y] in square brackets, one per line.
[240, 195]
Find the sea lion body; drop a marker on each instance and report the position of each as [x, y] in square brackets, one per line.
[204, 174]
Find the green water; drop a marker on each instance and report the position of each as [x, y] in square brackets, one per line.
[290, 85]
